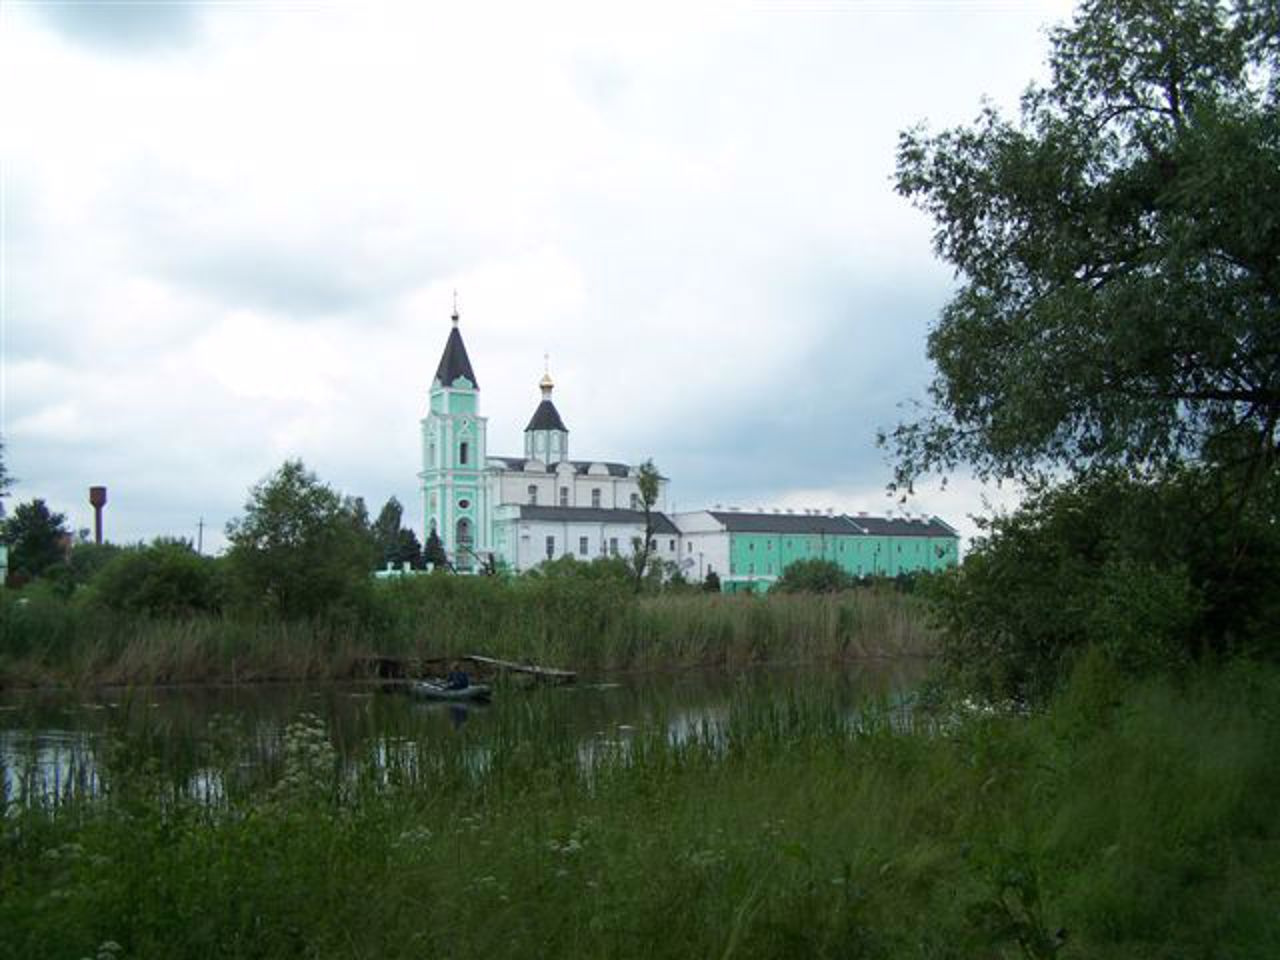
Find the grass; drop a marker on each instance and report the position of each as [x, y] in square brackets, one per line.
[564, 622]
[1127, 820]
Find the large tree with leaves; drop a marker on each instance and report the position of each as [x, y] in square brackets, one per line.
[396, 544]
[301, 548]
[1118, 251]
[37, 537]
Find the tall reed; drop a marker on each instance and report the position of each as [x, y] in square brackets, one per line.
[567, 622]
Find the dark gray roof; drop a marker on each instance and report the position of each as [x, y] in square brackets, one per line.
[902, 527]
[546, 417]
[579, 466]
[806, 523]
[661, 523]
[794, 523]
[454, 362]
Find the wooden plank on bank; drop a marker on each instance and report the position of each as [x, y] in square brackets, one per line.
[549, 674]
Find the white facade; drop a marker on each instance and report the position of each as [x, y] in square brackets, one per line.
[704, 546]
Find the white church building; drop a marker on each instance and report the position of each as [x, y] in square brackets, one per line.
[519, 511]
[522, 510]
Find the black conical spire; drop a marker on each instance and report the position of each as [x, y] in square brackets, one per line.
[454, 362]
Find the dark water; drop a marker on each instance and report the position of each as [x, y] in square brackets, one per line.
[54, 745]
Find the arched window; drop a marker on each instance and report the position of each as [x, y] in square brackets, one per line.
[462, 453]
[463, 556]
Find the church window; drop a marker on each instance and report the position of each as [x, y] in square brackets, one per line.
[582, 546]
[551, 547]
[533, 494]
[564, 498]
[462, 453]
[595, 497]
[464, 504]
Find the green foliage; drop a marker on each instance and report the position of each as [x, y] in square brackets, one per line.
[649, 481]
[6, 481]
[813, 576]
[711, 583]
[84, 563]
[395, 544]
[300, 549]
[1128, 821]
[1117, 248]
[433, 553]
[37, 538]
[1152, 573]
[167, 579]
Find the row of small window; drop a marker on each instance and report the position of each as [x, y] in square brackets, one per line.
[584, 547]
[808, 546]
[564, 497]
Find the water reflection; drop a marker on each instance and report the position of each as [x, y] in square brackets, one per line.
[211, 743]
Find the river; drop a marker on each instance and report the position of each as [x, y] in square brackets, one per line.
[55, 745]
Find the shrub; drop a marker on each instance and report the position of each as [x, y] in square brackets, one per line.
[813, 576]
[167, 579]
[1149, 571]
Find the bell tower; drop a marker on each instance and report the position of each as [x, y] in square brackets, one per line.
[454, 495]
[546, 438]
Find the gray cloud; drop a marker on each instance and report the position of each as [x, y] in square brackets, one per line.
[126, 26]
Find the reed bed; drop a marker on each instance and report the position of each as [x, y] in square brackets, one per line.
[1127, 820]
[571, 623]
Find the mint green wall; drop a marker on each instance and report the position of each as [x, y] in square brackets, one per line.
[462, 402]
[768, 555]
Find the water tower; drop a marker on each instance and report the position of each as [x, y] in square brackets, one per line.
[98, 498]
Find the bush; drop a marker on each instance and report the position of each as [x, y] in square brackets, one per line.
[167, 579]
[1139, 569]
[813, 576]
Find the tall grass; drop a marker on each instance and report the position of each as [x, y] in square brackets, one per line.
[1124, 822]
[567, 622]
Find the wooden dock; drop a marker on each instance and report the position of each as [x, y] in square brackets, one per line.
[544, 674]
[410, 668]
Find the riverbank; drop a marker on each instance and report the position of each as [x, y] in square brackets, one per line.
[1127, 820]
[53, 641]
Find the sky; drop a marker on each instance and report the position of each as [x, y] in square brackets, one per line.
[231, 233]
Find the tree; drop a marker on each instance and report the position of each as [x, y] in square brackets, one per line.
[167, 579]
[1118, 249]
[813, 576]
[648, 480]
[711, 583]
[434, 553]
[6, 481]
[301, 549]
[395, 544]
[38, 538]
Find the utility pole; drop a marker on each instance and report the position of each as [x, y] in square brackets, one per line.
[200, 536]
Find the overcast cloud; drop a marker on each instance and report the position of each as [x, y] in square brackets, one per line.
[231, 233]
